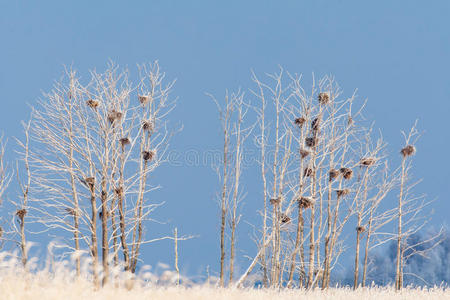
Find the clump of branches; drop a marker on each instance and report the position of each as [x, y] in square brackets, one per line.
[327, 174]
[5, 179]
[232, 114]
[94, 146]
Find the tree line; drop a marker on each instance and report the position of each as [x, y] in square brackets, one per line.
[85, 164]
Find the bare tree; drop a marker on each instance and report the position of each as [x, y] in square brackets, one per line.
[405, 201]
[387, 181]
[314, 148]
[235, 132]
[22, 205]
[100, 141]
[5, 179]
[368, 165]
[240, 134]
[225, 118]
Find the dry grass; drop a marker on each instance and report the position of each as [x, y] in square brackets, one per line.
[61, 283]
[43, 288]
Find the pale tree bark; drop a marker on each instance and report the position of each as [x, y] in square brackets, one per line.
[225, 115]
[5, 179]
[239, 138]
[25, 184]
[87, 135]
[406, 152]
[262, 144]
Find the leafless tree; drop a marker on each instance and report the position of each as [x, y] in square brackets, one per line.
[24, 184]
[5, 179]
[315, 139]
[370, 161]
[386, 181]
[235, 133]
[99, 141]
[410, 209]
[225, 117]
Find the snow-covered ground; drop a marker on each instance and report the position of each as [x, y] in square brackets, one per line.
[57, 280]
[37, 287]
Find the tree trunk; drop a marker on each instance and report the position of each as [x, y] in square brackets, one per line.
[398, 280]
[94, 247]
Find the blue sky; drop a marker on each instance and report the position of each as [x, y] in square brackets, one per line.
[397, 53]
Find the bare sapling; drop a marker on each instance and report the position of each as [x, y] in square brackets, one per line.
[5, 179]
[25, 184]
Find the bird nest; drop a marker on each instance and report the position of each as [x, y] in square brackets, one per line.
[347, 173]
[303, 153]
[311, 142]
[148, 155]
[90, 181]
[333, 174]
[408, 151]
[342, 193]
[315, 124]
[119, 191]
[275, 201]
[367, 161]
[114, 116]
[100, 214]
[285, 218]
[21, 213]
[308, 172]
[349, 121]
[324, 98]
[305, 202]
[124, 141]
[299, 121]
[360, 229]
[144, 99]
[92, 103]
[147, 125]
[71, 211]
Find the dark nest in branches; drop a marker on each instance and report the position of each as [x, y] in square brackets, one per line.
[408, 151]
[71, 211]
[275, 201]
[342, 193]
[21, 213]
[299, 121]
[143, 99]
[315, 124]
[100, 214]
[333, 173]
[114, 116]
[349, 121]
[305, 202]
[124, 141]
[119, 191]
[92, 103]
[90, 182]
[324, 98]
[304, 153]
[308, 172]
[347, 173]
[285, 218]
[368, 161]
[148, 155]
[147, 125]
[360, 229]
[311, 142]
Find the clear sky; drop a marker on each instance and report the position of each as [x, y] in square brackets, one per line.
[397, 53]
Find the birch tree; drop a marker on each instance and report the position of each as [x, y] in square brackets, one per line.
[96, 144]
